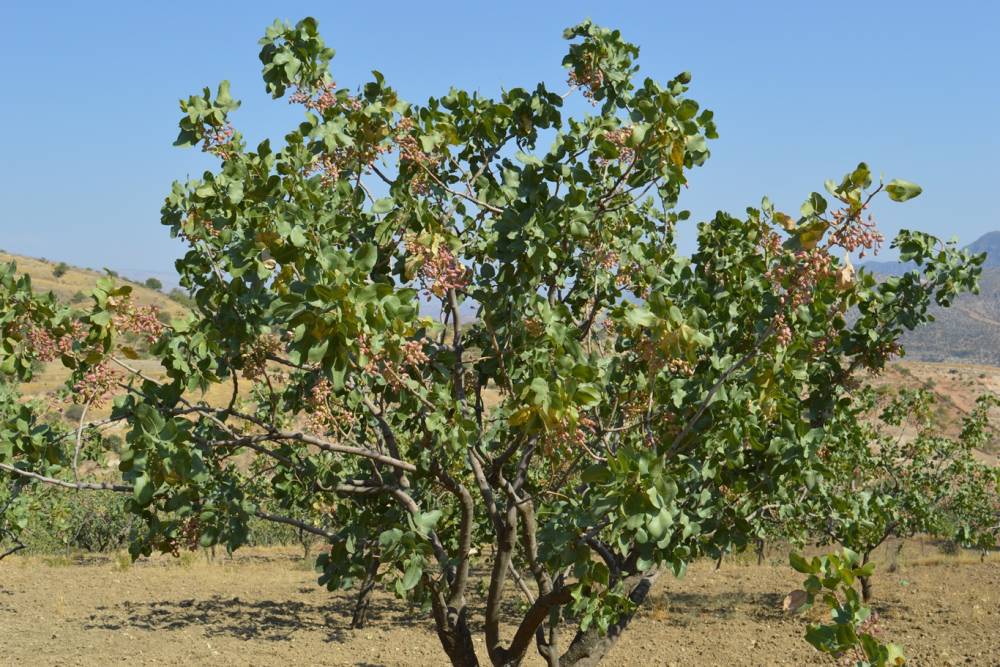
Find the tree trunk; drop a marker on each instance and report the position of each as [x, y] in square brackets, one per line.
[589, 648]
[453, 632]
[866, 582]
[760, 552]
[364, 600]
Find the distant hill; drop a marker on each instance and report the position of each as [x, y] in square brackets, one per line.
[72, 286]
[969, 331]
[988, 243]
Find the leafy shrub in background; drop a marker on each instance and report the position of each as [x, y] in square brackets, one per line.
[899, 477]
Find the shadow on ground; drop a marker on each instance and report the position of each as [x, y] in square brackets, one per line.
[268, 620]
[685, 608]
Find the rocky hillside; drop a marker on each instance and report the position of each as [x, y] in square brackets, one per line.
[969, 331]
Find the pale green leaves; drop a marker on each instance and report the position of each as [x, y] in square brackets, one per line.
[640, 317]
[900, 190]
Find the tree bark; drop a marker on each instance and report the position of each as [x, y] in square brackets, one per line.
[866, 582]
[589, 648]
[364, 600]
[453, 631]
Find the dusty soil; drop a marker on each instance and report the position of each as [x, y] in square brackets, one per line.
[264, 608]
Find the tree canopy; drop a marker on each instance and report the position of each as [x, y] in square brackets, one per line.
[460, 333]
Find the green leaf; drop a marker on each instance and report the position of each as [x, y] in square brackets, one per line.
[426, 521]
[640, 317]
[101, 319]
[596, 474]
[588, 395]
[800, 564]
[383, 205]
[143, 491]
[297, 237]
[658, 525]
[411, 577]
[366, 257]
[900, 190]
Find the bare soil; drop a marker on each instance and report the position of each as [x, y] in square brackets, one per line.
[263, 607]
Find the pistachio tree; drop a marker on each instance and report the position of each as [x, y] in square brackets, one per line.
[458, 337]
[896, 475]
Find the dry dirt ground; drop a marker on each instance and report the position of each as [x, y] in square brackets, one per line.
[263, 608]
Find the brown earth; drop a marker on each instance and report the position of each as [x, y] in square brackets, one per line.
[263, 607]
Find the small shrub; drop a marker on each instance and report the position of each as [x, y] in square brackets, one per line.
[153, 284]
[113, 443]
[79, 297]
[74, 412]
[181, 297]
[60, 270]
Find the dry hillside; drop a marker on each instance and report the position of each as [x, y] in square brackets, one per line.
[78, 281]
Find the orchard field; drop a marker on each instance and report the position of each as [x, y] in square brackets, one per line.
[262, 608]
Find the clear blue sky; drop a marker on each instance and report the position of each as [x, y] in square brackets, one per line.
[802, 91]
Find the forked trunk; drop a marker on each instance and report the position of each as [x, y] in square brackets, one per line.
[589, 648]
[453, 632]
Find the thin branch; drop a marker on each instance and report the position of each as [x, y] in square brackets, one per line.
[301, 525]
[82, 486]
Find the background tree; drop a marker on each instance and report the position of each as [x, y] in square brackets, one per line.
[153, 284]
[899, 477]
[449, 347]
[60, 270]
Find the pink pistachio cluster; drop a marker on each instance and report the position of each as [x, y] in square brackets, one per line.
[322, 97]
[196, 228]
[255, 359]
[590, 80]
[606, 258]
[321, 416]
[139, 320]
[219, 141]
[564, 435]
[619, 138]
[852, 231]
[796, 284]
[650, 352]
[95, 386]
[379, 362]
[441, 269]
[331, 163]
[410, 151]
[190, 534]
[47, 347]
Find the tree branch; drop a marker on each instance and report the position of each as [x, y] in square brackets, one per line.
[82, 486]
